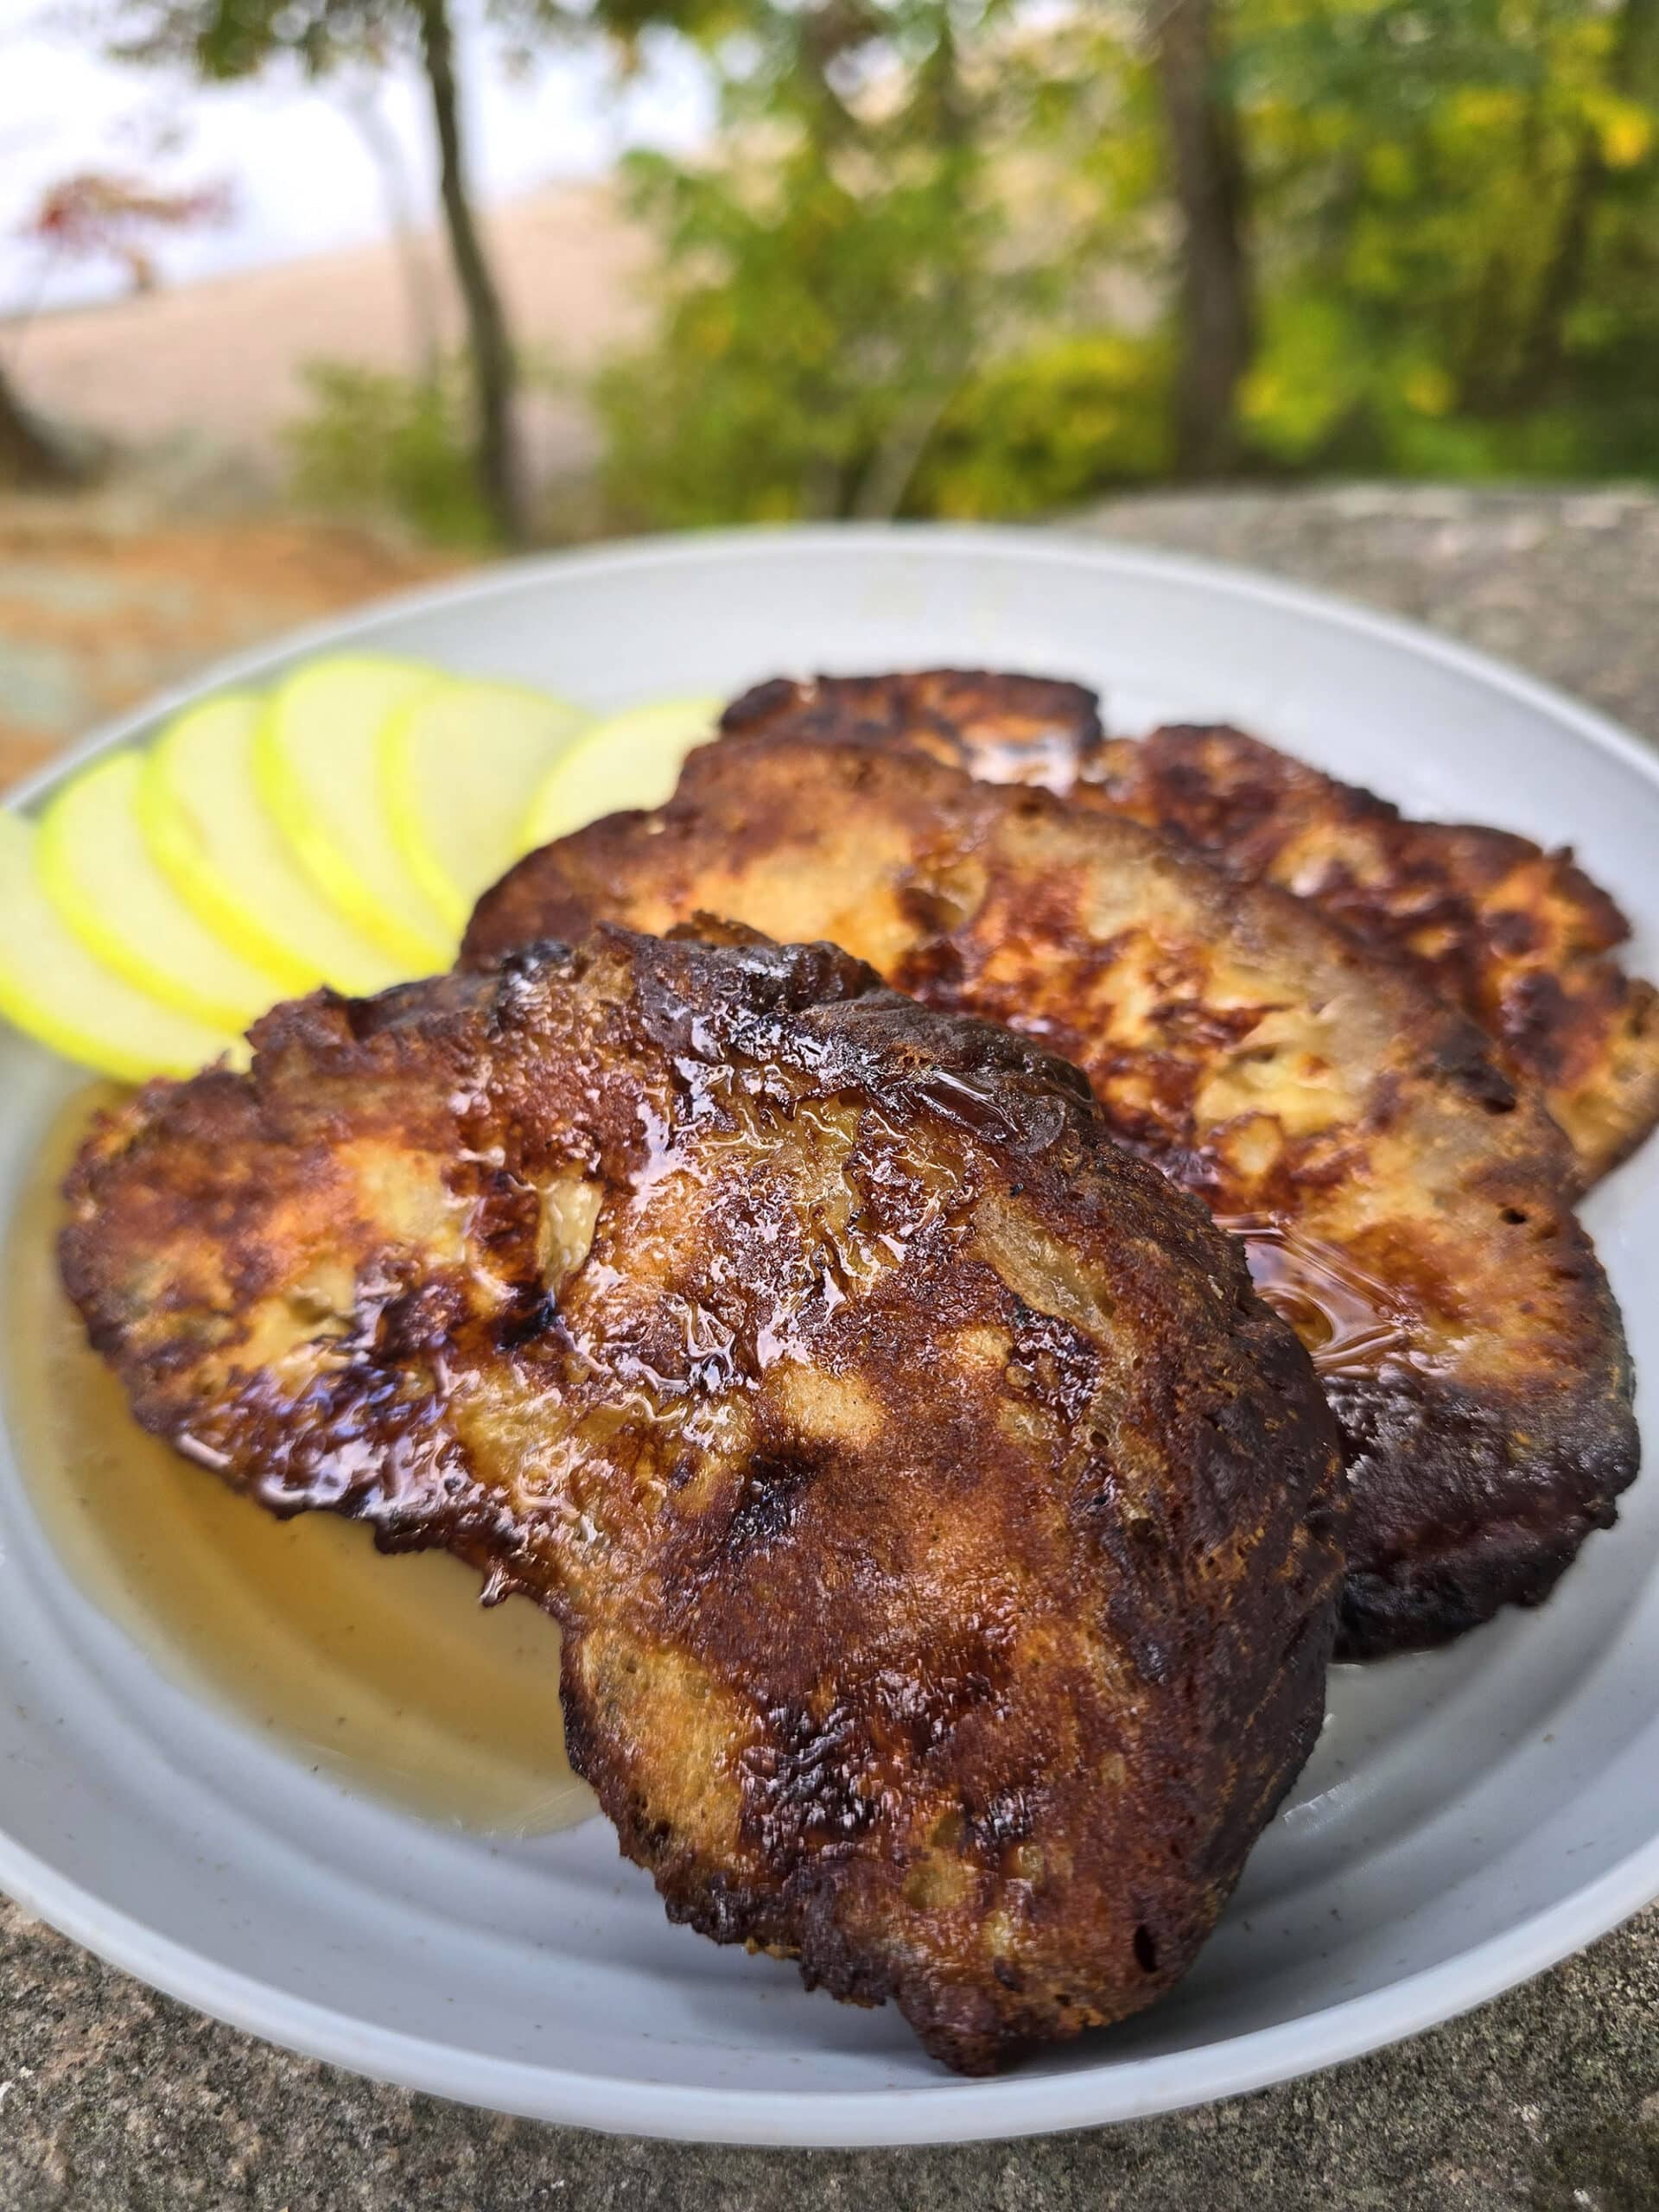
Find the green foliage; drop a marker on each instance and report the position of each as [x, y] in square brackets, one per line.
[1457, 206]
[931, 270]
[907, 197]
[929, 264]
[1049, 427]
[222, 40]
[376, 444]
[227, 40]
[809, 332]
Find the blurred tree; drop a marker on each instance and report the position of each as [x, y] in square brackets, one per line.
[500, 467]
[931, 264]
[905, 193]
[1459, 205]
[975, 257]
[361, 99]
[94, 215]
[1053, 423]
[1614, 135]
[29, 456]
[237, 38]
[1216, 317]
[372, 442]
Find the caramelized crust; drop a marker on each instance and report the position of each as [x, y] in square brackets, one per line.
[945, 1536]
[1407, 1208]
[1005, 729]
[1520, 938]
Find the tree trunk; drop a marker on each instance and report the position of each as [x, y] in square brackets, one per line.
[1216, 334]
[500, 474]
[27, 455]
[1542, 353]
[939, 121]
[420, 294]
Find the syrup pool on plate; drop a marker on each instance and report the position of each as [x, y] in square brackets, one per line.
[383, 1672]
[1351, 1322]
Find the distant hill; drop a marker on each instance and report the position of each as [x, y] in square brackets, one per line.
[218, 361]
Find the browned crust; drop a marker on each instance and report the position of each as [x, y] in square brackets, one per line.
[1002, 728]
[1259, 1055]
[1520, 938]
[945, 1536]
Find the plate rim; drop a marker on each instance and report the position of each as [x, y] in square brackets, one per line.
[946, 2111]
[1056, 545]
[953, 2111]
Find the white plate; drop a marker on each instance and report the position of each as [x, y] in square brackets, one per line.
[1467, 1818]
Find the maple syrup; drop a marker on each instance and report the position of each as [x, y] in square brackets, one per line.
[383, 1672]
[1349, 1321]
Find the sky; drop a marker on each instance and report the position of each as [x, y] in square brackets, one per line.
[299, 169]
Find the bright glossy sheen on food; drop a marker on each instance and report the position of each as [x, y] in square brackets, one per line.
[945, 1536]
[393, 1682]
[1520, 938]
[1261, 1056]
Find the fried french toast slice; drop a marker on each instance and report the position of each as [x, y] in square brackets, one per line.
[945, 1536]
[1407, 1205]
[1002, 728]
[1519, 937]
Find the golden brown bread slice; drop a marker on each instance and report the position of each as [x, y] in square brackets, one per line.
[1520, 938]
[1004, 729]
[945, 1536]
[1410, 1210]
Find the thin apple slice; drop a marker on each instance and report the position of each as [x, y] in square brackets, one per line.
[99, 873]
[317, 764]
[630, 760]
[60, 995]
[461, 764]
[217, 844]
